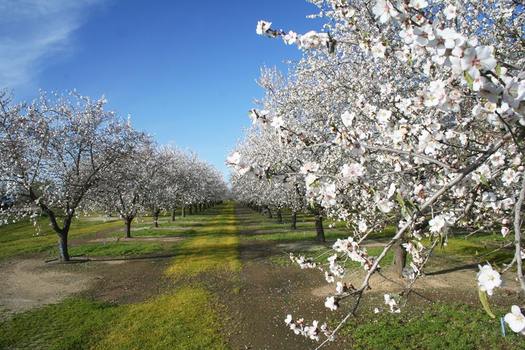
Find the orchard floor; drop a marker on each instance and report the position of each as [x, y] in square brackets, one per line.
[222, 280]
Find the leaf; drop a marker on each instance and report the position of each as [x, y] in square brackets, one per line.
[402, 204]
[485, 302]
[400, 200]
[484, 181]
[469, 79]
[442, 240]
[498, 70]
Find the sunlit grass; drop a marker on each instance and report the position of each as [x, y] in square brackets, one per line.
[436, 326]
[21, 238]
[214, 247]
[72, 324]
[117, 249]
[481, 248]
[298, 235]
[184, 319]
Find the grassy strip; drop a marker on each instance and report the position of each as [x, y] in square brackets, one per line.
[72, 324]
[117, 249]
[182, 320]
[298, 235]
[21, 238]
[436, 326]
[213, 247]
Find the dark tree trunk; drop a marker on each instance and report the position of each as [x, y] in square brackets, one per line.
[127, 229]
[62, 247]
[400, 258]
[319, 228]
[293, 226]
[62, 233]
[279, 216]
[183, 211]
[173, 212]
[269, 211]
[190, 210]
[156, 217]
[64, 251]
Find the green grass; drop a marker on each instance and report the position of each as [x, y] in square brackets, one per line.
[184, 319]
[164, 231]
[20, 238]
[212, 248]
[480, 248]
[266, 229]
[117, 249]
[72, 324]
[297, 235]
[436, 326]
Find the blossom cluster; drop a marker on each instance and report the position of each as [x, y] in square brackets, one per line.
[312, 331]
[404, 114]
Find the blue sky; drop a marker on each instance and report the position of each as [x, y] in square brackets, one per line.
[184, 70]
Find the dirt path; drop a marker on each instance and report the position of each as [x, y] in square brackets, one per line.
[29, 283]
[269, 292]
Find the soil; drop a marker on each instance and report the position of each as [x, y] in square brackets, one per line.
[128, 281]
[30, 283]
[268, 293]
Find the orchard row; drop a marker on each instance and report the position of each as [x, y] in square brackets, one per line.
[62, 156]
[401, 113]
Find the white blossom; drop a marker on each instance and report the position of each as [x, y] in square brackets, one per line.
[263, 27]
[516, 320]
[488, 279]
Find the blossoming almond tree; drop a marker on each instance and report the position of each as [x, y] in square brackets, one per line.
[54, 151]
[154, 179]
[279, 163]
[126, 186]
[407, 113]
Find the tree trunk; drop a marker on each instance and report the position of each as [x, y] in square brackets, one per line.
[293, 226]
[183, 211]
[62, 247]
[400, 258]
[269, 211]
[279, 216]
[127, 229]
[190, 210]
[319, 228]
[173, 214]
[156, 217]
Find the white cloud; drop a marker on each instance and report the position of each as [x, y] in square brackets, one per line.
[33, 30]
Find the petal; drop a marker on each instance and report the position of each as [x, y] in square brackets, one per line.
[489, 63]
[515, 309]
[484, 52]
